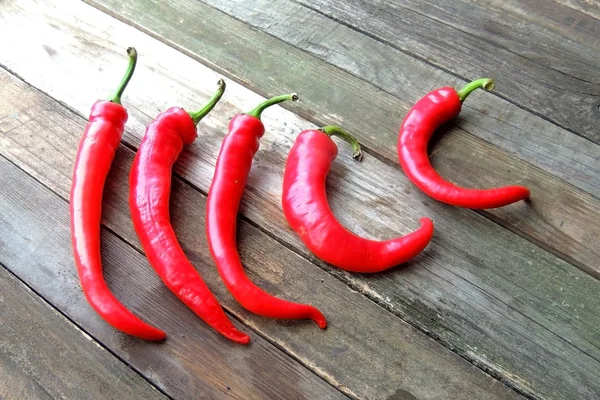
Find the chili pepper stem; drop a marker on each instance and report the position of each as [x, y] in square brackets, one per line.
[132, 53]
[257, 112]
[484, 83]
[212, 102]
[332, 130]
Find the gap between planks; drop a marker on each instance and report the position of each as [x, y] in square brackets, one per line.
[583, 6]
[385, 67]
[466, 36]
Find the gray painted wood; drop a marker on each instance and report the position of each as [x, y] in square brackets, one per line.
[542, 54]
[374, 116]
[43, 355]
[366, 351]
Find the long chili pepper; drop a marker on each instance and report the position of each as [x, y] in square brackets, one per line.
[150, 186]
[423, 119]
[94, 157]
[306, 208]
[232, 169]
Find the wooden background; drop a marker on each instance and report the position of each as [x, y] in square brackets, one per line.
[504, 303]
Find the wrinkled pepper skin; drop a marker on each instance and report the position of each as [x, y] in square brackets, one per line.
[96, 152]
[307, 211]
[150, 187]
[232, 169]
[433, 110]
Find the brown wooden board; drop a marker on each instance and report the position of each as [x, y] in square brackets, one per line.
[367, 352]
[43, 355]
[564, 224]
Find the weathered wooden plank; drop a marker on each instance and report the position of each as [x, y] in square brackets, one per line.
[495, 120]
[378, 114]
[495, 298]
[542, 54]
[490, 118]
[193, 362]
[45, 356]
[366, 351]
[18, 385]
[589, 7]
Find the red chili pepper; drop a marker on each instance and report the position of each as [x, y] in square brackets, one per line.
[422, 121]
[96, 151]
[150, 183]
[306, 208]
[232, 169]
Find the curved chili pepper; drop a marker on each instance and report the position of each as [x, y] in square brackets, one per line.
[306, 209]
[150, 186]
[232, 169]
[96, 151]
[422, 121]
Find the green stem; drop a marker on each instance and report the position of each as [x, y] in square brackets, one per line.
[484, 83]
[132, 53]
[332, 130]
[212, 102]
[270, 102]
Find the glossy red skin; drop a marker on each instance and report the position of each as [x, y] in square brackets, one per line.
[232, 169]
[307, 211]
[418, 127]
[96, 151]
[150, 187]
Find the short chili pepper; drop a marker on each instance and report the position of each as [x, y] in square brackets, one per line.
[150, 186]
[232, 169]
[306, 209]
[96, 151]
[418, 127]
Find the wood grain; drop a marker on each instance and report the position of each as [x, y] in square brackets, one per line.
[369, 358]
[375, 118]
[492, 119]
[194, 361]
[589, 7]
[501, 302]
[45, 356]
[543, 55]
[366, 108]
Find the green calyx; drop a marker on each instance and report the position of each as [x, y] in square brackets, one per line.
[257, 112]
[212, 102]
[332, 130]
[132, 53]
[484, 83]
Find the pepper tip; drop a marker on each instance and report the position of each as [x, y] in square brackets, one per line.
[319, 318]
[426, 221]
[241, 339]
